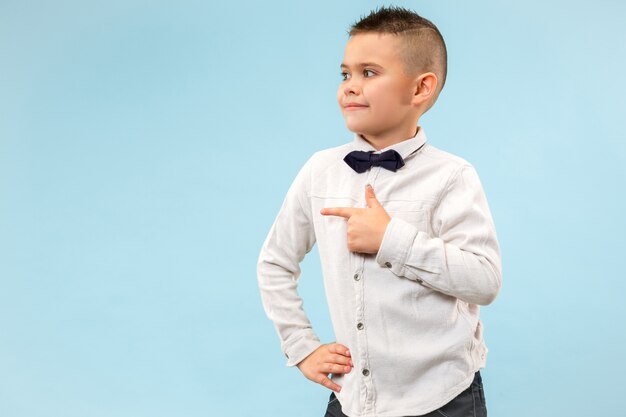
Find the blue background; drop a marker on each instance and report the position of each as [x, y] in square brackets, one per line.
[130, 220]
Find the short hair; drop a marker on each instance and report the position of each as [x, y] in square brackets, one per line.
[423, 46]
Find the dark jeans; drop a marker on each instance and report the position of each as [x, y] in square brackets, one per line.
[469, 403]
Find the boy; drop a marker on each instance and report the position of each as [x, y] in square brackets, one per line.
[404, 269]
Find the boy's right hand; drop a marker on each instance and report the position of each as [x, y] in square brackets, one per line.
[332, 358]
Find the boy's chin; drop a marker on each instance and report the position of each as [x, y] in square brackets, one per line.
[357, 131]
[357, 128]
[362, 132]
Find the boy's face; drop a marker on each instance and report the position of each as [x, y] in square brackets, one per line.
[376, 93]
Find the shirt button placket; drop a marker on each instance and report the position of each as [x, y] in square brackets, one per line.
[367, 391]
[358, 280]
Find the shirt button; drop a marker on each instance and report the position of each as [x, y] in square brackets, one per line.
[366, 372]
[357, 277]
[360, 326]
[388, 264]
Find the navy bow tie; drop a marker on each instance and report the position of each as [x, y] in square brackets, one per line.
[361, 161]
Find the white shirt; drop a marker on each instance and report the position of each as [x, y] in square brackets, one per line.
[408, 314]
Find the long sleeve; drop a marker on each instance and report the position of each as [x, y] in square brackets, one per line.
[289, 240]
[463, 258]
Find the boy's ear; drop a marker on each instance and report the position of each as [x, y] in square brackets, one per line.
[425, 88]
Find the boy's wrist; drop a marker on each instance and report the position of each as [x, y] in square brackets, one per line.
[396, 244]
[297, 351]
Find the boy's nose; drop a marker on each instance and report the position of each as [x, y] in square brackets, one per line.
[351, 89]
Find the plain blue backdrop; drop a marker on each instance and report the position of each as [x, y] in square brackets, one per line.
[146, 146]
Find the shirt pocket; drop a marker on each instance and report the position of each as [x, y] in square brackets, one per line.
[413, 213]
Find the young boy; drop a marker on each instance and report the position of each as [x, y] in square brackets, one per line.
[405, 268]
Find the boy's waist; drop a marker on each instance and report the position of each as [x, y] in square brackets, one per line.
[396, 384]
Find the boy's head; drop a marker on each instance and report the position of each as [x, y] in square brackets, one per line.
[394, 68]
[422, 46]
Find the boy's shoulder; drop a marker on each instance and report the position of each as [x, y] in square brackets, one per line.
[443, 157]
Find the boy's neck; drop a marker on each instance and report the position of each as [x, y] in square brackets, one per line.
[384, 141]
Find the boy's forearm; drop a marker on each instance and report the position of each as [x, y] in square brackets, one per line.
[471, 277]
[283, 307]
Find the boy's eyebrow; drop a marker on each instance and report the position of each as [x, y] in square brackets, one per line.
[361, 65]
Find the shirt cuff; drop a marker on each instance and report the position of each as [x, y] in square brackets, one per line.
[301, 348]
[405, 251]
[396, 245]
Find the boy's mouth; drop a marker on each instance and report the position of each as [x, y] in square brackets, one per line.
[354, 106]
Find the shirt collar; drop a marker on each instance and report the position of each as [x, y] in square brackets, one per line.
[404, 148]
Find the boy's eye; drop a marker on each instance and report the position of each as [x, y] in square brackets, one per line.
[345, 76]
[368, 73]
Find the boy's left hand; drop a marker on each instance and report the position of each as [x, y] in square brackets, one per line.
[366, 226]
